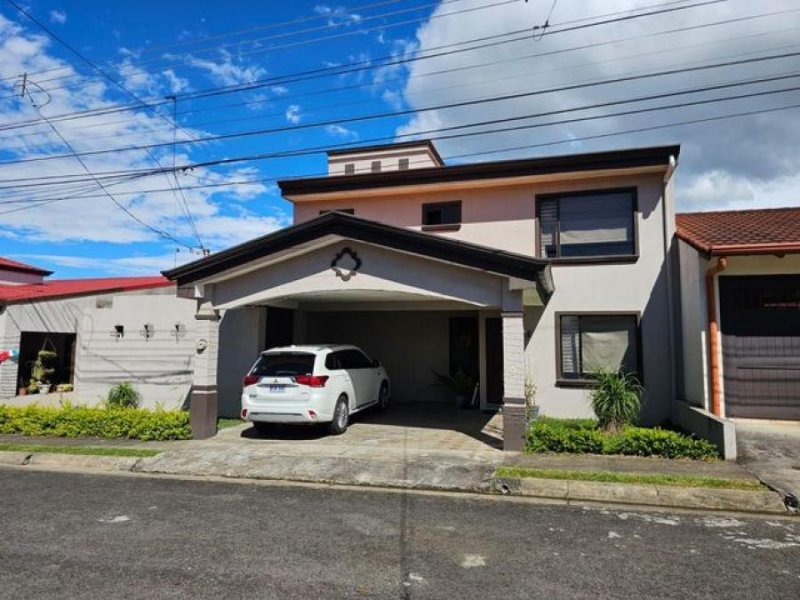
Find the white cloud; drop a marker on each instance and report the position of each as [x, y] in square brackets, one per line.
[337, 15]
[58, 16]
[342, 133]
[222, 213]
[749, 161]
[293, 114]
[225, 71]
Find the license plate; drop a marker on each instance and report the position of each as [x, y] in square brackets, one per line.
[276, 389]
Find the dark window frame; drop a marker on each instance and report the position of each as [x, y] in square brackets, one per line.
[376, 166]
[561, 380]
[349, 211]
[403, 164]
[582, 260]
[350, 168]
[454, 226]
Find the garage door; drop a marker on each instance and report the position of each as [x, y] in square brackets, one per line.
[760, 322]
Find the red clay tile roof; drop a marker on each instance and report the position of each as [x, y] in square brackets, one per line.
[765, 231]
[64, 288]
[6, 264]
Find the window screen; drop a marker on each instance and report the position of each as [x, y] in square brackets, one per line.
[444, 213]
[584, 225]
[590, 343]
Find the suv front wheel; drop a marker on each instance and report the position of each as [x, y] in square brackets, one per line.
[341, 416]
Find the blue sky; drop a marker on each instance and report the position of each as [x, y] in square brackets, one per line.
[157, 49]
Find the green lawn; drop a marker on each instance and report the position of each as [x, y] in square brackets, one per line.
[223, 423]
[86, 450]
[612, 477]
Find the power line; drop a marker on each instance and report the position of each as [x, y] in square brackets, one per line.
[416, 111]
[435, 134]
[355, 67]
[464, 155]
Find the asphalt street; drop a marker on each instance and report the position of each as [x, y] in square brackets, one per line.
[85, 536]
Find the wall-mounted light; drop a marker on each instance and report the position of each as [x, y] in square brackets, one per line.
[147, 331]
[178, 331]
[118, 332]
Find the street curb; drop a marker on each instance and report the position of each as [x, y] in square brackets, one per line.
[644, 495]
[766, 502]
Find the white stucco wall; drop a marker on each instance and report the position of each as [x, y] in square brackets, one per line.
[241, 339]
[410, 344]
[159, 367]
[694, 317]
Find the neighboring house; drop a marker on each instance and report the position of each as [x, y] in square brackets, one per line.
[534, 271]
[104, 331]
[740, 277]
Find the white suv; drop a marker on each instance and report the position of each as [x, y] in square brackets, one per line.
[313, 384]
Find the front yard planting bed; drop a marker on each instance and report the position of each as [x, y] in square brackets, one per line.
[634, 478]
[84, 450]
[109, 423]
[583, 436]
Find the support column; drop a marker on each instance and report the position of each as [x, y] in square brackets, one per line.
[203, 408]
[513, 381]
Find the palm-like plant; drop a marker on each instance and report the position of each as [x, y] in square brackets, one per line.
[616, 399]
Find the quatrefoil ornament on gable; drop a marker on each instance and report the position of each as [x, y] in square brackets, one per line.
[346, 264]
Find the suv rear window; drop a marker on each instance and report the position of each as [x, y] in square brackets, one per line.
[284, 364]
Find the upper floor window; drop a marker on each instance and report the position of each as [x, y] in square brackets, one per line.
[402, 164]
[597, 224]
[441, 214]
[376, 166]
[349, 168]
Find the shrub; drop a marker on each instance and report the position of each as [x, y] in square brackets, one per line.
[582, 436]
[616, 400]
[123, 394]
[111, 423]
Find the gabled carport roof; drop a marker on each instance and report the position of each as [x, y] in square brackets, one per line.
[371, 232]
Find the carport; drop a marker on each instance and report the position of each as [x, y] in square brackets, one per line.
[417, 302]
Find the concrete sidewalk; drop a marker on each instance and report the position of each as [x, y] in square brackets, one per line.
[407, 458]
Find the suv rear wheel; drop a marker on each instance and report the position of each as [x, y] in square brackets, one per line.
[383, 397]
[341, 416]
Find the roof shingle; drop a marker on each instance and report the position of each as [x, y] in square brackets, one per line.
[763, 231]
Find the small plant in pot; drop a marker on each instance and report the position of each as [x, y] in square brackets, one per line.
[42, 371]
[461, 385]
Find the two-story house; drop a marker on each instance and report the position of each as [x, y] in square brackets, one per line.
[519, 273]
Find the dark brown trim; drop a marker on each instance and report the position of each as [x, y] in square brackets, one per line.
[595, 161]
[29, 270]
[592, 260]
[562, 381]
[379, 147]
[443, 227]
[371, 232]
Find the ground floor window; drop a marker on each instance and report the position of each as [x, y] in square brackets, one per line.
[60, 360]
[588, 343]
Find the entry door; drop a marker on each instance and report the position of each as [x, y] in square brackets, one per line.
[494, 361]
[280, 327]
[760, 322]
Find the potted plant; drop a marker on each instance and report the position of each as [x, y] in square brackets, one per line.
[461, 385]
[41, 371]
[33, 387]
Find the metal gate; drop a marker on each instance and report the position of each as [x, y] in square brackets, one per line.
[760, 322]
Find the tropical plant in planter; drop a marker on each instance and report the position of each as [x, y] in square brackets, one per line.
[616, 399]
[41, 371]
[461, 385]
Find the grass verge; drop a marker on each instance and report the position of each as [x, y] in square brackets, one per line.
[86, 450]
[611, 477]
[223, 423]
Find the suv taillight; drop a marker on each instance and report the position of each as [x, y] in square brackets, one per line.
[315, 381]
[251, 379]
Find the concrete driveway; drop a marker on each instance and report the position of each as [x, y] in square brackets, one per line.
[771, 451]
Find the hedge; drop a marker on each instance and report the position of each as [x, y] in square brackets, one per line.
[111, 422]
[582, 436]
